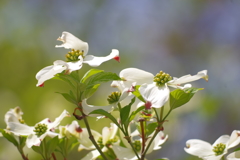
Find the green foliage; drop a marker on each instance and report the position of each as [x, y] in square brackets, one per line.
[9, 137]
[180, 97]
[137, 93]
[124, 113]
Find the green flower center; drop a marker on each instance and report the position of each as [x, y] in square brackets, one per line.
[161, 78]
[114, 97]
[40, 129]
[137, 145]
[108, 143]
[219, 149]
[73, 55]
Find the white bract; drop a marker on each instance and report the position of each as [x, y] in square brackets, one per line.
[13, 115]
[207, 151]
[108, 137]
[155, 94]
[79, 48]
[35, 134]
[127, 153]
[234, 156]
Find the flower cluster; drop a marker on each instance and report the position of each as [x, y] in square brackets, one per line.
[137, 111]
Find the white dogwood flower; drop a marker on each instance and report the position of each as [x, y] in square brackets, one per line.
[219, 148]
[75, 58]
[35, 134]
[154, 89]
[127, 153]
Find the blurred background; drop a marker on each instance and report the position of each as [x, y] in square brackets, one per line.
[178, 37]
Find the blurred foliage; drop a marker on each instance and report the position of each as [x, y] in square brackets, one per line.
[179, 37]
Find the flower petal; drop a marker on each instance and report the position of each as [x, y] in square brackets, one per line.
[72, 42]
[199, 148]
[234, 156]
[89, 108]
[50, 71]
[32, 140]
[74, 66]
[136, 75]
[13, 115]
[157, 96]
[189, 78]
[85, 142]
[57, 121]
[91, 155]
[223, 139]
[124, 153]
[20, 129]
[109, 133]
[97, 61]
[234, 139]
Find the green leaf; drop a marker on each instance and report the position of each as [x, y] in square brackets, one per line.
[10, 137]
[108, 115]
[69, 97]
[137, 93]
[37, 149]
[66, 78]
[99, 78]
[134, 113]
[151, 127]
[124, 113]
[51, 145]
[180, 97]
[89, 92]
[22, 141]
[89, 74]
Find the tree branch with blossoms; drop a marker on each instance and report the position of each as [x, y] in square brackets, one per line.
[137, 111]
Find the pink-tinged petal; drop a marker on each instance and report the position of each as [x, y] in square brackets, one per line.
[50, 71]
[20, 129]
[57, 121]
[234, 139]
[199, 148]
[32, 140]
[124, 153]
[189, 78]
[136, 75]
[72, 42]
[157, 96]
[74, 66]
[91, 155]
[223, 139]
[89, 108]
[109, 133]
[97, 61]
[234, 156]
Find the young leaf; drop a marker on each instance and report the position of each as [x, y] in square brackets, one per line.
[69, 97]
[89, 74]
[9, 137]
[89, 92]
[134, 113]
[180, 97]
[151, 127]
[52, 144]
[99, 78]
[105, 113]
[137, 93]
[124, 113]
[37, 149]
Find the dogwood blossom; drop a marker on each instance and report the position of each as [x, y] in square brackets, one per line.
[154, 89]
[127, 153]
[75, 58]
[35, 134]
[207, 151]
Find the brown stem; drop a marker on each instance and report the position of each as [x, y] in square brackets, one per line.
[54, 157]
[84, 117]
